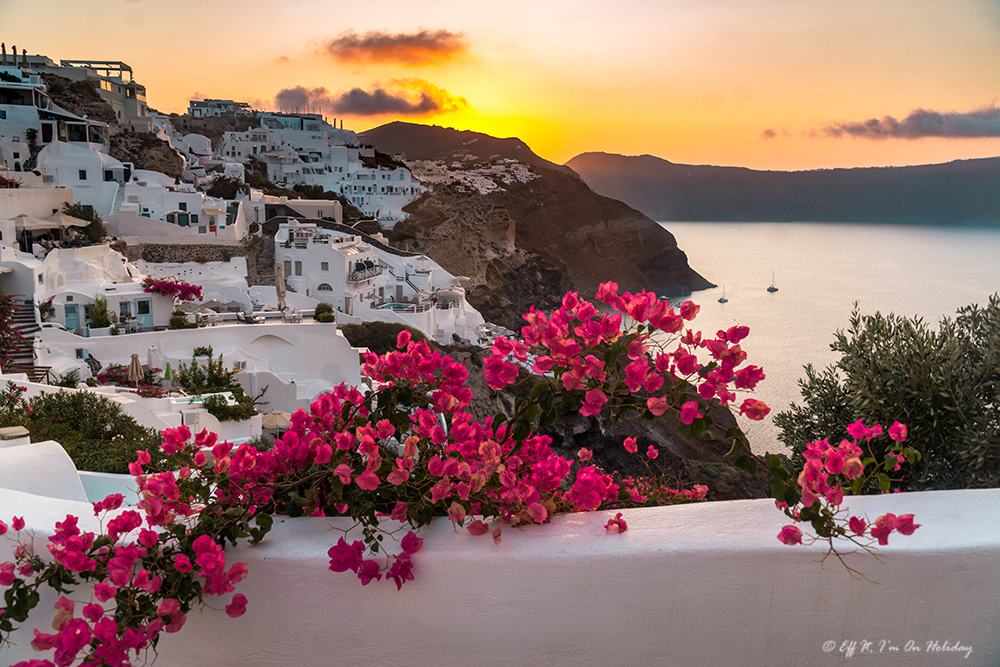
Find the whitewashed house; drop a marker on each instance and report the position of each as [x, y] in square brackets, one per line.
[373, 283]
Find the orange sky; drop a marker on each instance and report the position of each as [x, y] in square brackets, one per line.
[763, 84]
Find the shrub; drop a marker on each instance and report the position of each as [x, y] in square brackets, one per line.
[100, 318]
[179, 320]
[944, 384]
[95, 231]
[225, 187]
[214, 377]
[379, 337]
[93, 430]
[326, 317]
[322, 307]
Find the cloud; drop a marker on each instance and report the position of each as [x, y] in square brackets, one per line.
[412, 50]
[979, 123]
[401, 97]
[771, 133]
[280, 60]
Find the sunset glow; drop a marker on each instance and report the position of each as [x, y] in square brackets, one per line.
[774, 84]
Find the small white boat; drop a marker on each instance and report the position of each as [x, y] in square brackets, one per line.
[772, 288]
[723, 299]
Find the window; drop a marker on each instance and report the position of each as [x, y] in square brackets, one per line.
[298, 268]
[142, 307]
[81, 353]
[17, 156]
[83, 174]
[182, 206]
[124, 311]
[319, 214]
[69, 299]
[288, 267]
[194, 219]
[324, 287]
[170, 217]
[324, 266]
[41, 279]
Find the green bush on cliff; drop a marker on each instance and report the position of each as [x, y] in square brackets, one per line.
[379, 337]
[944, 385]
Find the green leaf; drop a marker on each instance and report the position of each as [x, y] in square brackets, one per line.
[884, 482]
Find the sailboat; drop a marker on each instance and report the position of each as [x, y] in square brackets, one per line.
[723, 299]
[772, 288]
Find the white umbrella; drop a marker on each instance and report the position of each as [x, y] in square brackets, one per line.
[276, 419]
[135, 373]
[26, 222]
[279, 284]
[66, 221]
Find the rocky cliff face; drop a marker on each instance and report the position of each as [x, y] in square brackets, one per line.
[523, 230]
[143, 149]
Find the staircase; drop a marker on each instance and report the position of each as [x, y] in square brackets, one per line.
[119, 198]
[22, 355]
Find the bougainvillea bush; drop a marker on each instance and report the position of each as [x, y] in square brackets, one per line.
[392, 460]
[172, 287]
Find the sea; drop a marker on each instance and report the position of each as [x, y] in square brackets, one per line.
[821, 271]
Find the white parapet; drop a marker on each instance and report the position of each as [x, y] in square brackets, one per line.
[700, 584]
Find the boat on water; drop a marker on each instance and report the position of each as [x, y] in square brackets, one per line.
[772, 288]
[723, 299]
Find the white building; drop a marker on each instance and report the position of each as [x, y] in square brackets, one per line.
[373, 283]
[305, 149]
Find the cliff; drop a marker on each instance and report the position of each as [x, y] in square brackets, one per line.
[522, 229]
[964, 191]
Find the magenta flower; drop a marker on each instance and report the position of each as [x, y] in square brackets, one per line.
[754, 409]
[790, 535]
[857, 525]
[652, 452]
[17, 523]
[538, 512]
[584, 454]
[657, 405]
[897, 432]
[905, 525]
[368, 480]
[630, 445]
[368, 571]
[616, 525]
[689, 412]
[237, 607]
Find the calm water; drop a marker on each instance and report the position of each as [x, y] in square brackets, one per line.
[821, 270]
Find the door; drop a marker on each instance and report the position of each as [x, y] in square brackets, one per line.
[72, 318]
[144, 312]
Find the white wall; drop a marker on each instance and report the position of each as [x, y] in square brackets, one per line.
[704, 584]
[36, 202]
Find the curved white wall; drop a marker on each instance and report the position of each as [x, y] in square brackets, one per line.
[704, 584]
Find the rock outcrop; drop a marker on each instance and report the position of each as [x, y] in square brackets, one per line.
[522, 229]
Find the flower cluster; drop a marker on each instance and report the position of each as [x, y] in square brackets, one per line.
[818, 491]
[396, 457]
[172, 287]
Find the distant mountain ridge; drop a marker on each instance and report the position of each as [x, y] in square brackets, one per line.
[524, 243]
[963, 191]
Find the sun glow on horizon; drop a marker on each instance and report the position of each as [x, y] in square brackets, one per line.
[720, 82]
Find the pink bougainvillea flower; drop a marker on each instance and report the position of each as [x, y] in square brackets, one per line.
[538, 512]
[689, 412]
[456, 512]
[478, 527]
[652, 452]
[367, 480]
[594, 400]
[103, 592]
[857, 525]
[754, 409]
[17, 523]
[630, 445]
[411, 544]
[689, 309]
[790, 535]
[584, 454]
[657, 405]
[369, 571]
[853, 468]
[237, 607]
[905, 525]
[399, 512]
[883, 527]
[403, 339]
[898, 432]
[616, 525]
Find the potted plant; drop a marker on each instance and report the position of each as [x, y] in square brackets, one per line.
[100, 318]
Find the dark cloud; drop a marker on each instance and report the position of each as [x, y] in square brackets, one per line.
[920, 123]
[402, 97]
[768, 134]
[421, 48]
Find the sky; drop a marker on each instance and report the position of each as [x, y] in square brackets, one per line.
[765, 84]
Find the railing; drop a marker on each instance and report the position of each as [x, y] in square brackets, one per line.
[367, 274]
